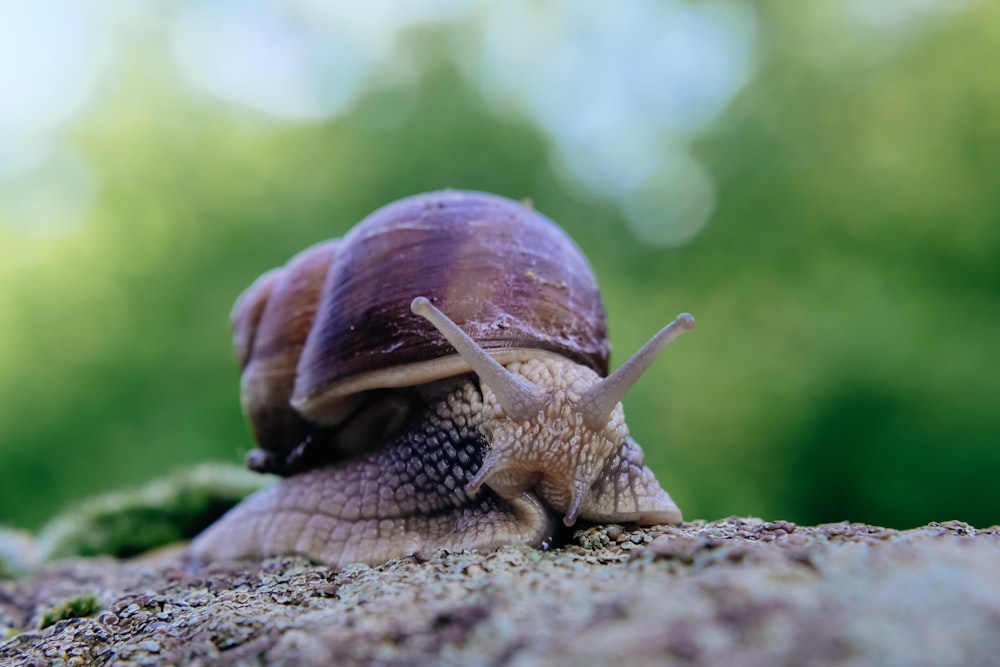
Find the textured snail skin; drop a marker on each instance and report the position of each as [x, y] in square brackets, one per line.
[403, 499]
[411, 496]
[556, 454]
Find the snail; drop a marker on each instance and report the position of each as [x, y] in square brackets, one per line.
[437, 378]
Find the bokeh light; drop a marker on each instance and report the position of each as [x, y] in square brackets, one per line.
[53, 54]
[621, 92]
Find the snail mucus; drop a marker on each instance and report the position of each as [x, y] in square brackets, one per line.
[437, 378]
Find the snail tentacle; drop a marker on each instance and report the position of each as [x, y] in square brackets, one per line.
[598, 402]
[519, 399]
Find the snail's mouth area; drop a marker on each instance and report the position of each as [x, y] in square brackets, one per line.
[562, 535]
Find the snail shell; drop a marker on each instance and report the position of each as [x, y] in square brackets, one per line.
[434, 379]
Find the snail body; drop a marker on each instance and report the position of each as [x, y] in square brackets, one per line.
[436, 378]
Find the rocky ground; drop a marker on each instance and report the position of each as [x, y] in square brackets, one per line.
[732, 592]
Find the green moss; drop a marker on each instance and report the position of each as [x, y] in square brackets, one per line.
[126, 523]
[74, 607]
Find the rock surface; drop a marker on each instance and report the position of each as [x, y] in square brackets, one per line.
[732, 592]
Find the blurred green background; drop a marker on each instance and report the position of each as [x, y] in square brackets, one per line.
[818, 182]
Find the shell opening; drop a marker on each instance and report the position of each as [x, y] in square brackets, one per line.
[519, 399]
[600, 400]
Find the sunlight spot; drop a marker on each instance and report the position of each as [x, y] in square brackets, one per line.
[50, 58]
[616, 90]
[270, 59]
[674, 204]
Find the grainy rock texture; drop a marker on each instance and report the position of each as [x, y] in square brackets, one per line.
[733, 592]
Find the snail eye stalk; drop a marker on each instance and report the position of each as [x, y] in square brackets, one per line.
[519, 399]
[598, 402]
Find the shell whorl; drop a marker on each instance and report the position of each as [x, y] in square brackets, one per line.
[507, 275]
[271, 321]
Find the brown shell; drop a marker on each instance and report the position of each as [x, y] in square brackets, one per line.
[314, 336]
[271, 321]
[511, 278]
